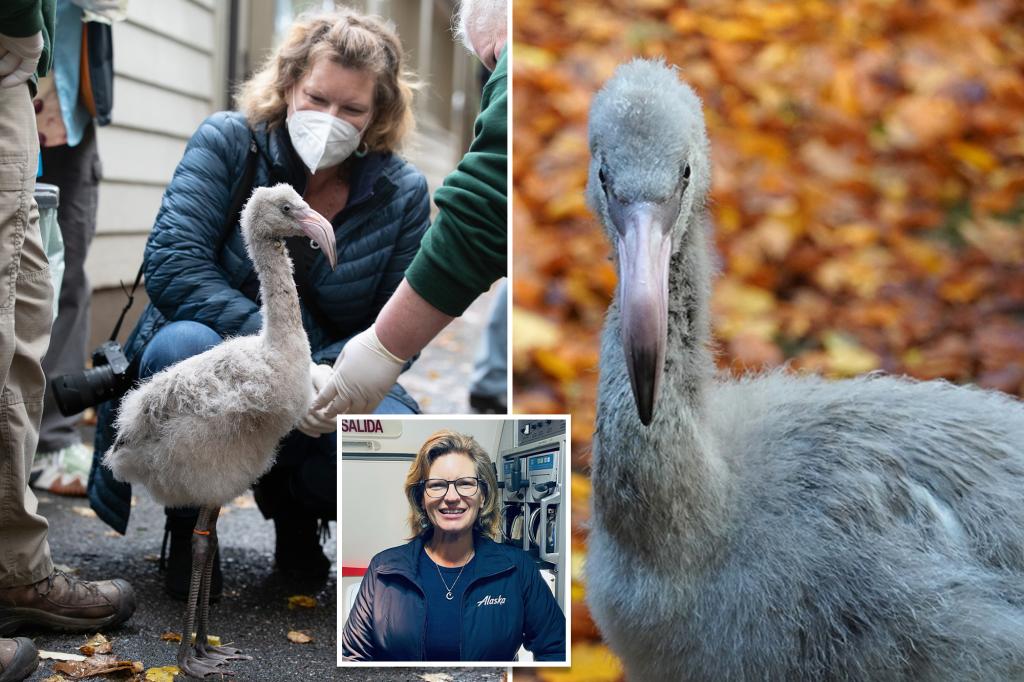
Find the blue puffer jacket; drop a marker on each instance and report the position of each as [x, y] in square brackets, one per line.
[507, 605]
[194, 271]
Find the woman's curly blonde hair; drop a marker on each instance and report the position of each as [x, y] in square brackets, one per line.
[348, 38]
[444, 443]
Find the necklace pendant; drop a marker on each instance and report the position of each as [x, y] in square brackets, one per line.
[449, 595]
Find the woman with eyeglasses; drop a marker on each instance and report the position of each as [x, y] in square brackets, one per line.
[451, 593]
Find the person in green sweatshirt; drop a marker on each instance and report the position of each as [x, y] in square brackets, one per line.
[33, 594]
[463, 252]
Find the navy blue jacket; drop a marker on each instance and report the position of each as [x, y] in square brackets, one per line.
[196, 265]
[506, 605]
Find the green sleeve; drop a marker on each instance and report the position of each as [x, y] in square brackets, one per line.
[464, 252]
[20, 18]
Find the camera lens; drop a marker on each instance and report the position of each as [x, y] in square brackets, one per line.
[75, 392]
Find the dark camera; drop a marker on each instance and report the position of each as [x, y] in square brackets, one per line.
[110, 377]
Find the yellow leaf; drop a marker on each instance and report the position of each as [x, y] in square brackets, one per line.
[301, 601]
[729, 30]
[591, 662]
[975, 156]
[554, 365]
[299, 637]
[213, 640]
[162, 674]
[533, 57]
[846, 357]
[84, 511]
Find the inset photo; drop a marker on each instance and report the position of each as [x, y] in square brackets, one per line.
[454, 540]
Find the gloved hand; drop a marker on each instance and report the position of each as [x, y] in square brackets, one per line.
[18, 58]
[101, 5]
[316, 423]
[363, 374]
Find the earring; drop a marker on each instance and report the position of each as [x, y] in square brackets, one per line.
[362, 150]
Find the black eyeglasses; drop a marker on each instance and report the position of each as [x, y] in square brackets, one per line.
[438, 487]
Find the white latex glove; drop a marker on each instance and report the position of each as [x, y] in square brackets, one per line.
[102, 5]
[316, 423]
[363, 374]
[18, 58]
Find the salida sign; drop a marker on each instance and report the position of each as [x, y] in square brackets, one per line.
[385, 428]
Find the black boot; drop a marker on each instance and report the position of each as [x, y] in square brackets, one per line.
[177, 563]
[298, 553]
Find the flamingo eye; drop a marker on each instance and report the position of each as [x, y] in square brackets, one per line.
[602, 175]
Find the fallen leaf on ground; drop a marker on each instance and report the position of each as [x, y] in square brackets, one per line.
[100, 664]
[84, 511]
[592, 662]
[162, 674]
[97, 644]
[301, 600]
[436, 677]
[299, 637]
[64, 568]
[55, 678]
[60, 656]
[169, 636]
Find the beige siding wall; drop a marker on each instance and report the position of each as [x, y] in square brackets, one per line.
[168, 77]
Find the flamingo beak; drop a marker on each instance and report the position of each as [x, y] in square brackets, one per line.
[320, 230]
[644, 249]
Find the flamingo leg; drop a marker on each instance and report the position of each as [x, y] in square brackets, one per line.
[192, 660]
[203, 648]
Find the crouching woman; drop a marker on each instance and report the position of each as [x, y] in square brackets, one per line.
[327, 114]
[452, 593]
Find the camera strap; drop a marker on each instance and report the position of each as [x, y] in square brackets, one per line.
[128, 305]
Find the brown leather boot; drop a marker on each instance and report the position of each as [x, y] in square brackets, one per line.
[60, 602]
[18, 659]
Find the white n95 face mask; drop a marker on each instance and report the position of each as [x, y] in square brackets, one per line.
[322, 140]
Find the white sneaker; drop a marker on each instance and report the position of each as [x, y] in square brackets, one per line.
[63, 472]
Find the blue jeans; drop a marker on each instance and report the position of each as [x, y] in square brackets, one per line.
[309, 464]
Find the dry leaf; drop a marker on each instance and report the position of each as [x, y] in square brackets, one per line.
[301, 601]
[97, 644]
[84, 511]
[162, 674]
[60, 656]
[55, 678]
[100, 664]
[435, 677]
[591, 662]
[176, 637]
[299, 636]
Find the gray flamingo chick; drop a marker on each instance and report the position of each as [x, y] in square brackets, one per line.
[200, 432]
[777, 527]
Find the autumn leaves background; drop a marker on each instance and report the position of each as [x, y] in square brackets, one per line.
[868, 196]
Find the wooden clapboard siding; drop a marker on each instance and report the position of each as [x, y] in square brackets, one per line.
[146, 107]
[167, 79]
[128, 208]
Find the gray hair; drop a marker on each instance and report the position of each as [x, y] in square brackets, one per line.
[486, 17]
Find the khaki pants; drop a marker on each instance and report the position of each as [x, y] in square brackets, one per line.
[25, 309]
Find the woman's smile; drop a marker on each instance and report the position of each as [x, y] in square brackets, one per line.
[453, 512]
